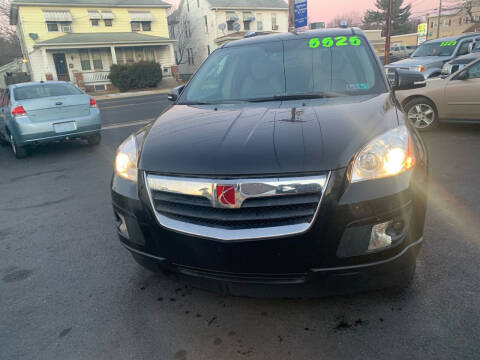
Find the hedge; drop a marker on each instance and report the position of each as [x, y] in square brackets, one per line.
[144, 74]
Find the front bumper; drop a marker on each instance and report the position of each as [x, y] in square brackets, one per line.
[314, 263]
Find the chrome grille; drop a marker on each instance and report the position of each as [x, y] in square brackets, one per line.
[263, 207]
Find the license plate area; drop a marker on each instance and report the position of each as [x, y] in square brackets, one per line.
[65, 127]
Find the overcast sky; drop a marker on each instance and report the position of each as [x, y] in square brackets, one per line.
[326, 10]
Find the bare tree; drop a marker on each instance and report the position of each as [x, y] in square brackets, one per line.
[472, 7]
[6, 31]
[181, 30]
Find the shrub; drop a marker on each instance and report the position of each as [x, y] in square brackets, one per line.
[144, 74]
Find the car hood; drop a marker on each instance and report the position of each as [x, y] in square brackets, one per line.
[264, 138]
[424, 60]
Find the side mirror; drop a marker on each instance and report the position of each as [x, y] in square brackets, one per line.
[406, 79]
[462, 76]
[175, 93]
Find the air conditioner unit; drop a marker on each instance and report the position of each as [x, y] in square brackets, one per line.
[67, 28]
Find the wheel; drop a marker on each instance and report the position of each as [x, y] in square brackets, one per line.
[422, 113]
[94, 139]
[19, 151]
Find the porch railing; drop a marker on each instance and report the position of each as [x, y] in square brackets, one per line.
[93, 77]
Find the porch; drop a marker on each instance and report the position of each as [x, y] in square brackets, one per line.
[87, 64]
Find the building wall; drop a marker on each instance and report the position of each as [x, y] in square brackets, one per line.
[451, 24]
[281, 15]
[201, 39]
[33, 21]
[405, 39]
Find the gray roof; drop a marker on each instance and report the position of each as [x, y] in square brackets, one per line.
[113, 3]
[247, 4]
[103, 38]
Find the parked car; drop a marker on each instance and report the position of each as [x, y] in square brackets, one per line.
[400, 51]
[430, 57]
[33, 113]
[453, 99]
[459, 63]
[283, 168]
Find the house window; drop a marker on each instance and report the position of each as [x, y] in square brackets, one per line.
[198, 3]
[95, 22]
[274, 22]
[190, 59]
[188, 5]
[246, 25]
[136, 26]
[206, 23]
[52, 26]
[260, 22]
[85, 60]
[150, 54]
[97, 59]
[146, 26]
[108, 22]
[231, 18]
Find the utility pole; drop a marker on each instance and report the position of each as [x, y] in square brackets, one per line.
[291, 15]
[389, 33]
[439, 16]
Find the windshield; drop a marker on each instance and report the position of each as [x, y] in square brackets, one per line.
[476, 47]
[443, 48]
[302, 68]
[44, 90]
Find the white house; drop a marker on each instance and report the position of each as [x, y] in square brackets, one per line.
[200, 26]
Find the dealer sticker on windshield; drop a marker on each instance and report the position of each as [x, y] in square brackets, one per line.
[448, 43]
[338, 41]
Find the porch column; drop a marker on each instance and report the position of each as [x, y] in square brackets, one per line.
[46, 67]
[114, 55]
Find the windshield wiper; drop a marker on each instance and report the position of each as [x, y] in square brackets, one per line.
[323, 95]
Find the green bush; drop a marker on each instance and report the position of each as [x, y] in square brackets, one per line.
[144, 74]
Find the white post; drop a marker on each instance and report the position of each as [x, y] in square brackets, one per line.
[46, 66]
[114, 55]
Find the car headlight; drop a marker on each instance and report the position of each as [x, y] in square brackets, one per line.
[388, 155]
[126, 159]
[419, 68]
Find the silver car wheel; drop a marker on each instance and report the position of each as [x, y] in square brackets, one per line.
[421, 115]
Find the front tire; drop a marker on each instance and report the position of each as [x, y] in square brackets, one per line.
[422, 113]
[20, 152]
[94, 139]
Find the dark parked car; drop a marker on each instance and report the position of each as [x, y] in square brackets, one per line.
[285, 167]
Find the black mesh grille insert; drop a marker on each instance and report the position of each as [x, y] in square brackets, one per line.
[255, 212]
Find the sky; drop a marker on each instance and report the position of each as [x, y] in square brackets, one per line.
[326, 10]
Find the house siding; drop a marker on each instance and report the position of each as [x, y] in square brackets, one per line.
[200, 40]
[33, 21]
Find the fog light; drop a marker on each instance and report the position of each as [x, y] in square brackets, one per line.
[122, 226]
[379, 238]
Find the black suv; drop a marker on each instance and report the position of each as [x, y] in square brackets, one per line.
[284, 167]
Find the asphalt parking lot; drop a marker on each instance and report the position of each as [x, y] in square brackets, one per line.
[69, 290]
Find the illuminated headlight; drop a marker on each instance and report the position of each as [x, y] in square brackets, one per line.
[418, 68]
[126, 159]
[388, 155]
